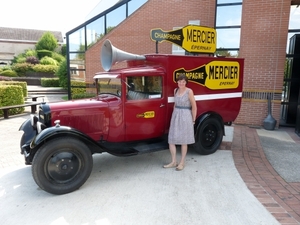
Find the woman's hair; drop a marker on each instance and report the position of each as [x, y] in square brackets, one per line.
[182, 77]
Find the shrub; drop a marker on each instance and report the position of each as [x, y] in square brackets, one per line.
[22, 68]
[23, 85]
[59, 58]
[48, 61]
[62, 74]
[7, 67]
[47, 42]
[32, 60]
[9, 73]
[21, 59]
[43, 53]
[77, 91]
[49, 82]
[11, 95]
[83, 95]
[45, 68]
[30, 52]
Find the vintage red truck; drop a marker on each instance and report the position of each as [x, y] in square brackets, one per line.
[129, 115]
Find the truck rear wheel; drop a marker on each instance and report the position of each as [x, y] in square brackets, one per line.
[209, 136]
[62, 165]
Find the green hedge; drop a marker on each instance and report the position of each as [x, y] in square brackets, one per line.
[83, 95]
[77, 91]
[49, 82]
[43, 53]
[45, 68]
[9, 73]
[11, 95]
[20, 83]
[81, 91]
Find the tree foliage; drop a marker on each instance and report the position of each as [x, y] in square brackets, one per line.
[225, 53]
[47, 42]
[64, 50]
[63, 74]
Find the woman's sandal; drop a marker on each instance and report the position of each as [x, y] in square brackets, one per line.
[180, 167]
[170, 165]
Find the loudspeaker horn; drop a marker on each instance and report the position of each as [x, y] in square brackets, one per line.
[111, 55]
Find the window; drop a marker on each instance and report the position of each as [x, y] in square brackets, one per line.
[144, 87]
[73, 70]
[228, 26]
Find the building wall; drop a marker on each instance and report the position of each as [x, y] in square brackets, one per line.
[133, 34]
[10, 49]
[263, 45]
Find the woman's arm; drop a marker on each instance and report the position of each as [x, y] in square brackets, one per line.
[193, 103]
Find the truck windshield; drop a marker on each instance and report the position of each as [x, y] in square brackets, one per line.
[109, 86]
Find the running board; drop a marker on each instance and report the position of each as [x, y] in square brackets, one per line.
[135, 148]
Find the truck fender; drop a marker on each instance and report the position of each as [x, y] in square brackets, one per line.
[59, 131]
[199, 121]
[29, 132]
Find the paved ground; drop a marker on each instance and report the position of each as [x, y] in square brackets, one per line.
[250, 180]
[251, 149]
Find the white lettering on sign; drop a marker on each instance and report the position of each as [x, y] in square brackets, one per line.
[167, 36]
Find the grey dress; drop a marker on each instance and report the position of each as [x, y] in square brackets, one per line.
[182, 128]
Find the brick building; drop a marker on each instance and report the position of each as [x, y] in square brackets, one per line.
[263, 42]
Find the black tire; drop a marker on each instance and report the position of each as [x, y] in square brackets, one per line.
[62, 165]
[209, 136]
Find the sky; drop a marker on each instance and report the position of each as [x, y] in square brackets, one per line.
[64, 15]
[53, 15]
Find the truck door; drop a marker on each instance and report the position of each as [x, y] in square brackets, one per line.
[144, 108]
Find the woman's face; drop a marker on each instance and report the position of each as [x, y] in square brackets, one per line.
[181, 83]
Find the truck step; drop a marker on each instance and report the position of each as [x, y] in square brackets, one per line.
[135, 148]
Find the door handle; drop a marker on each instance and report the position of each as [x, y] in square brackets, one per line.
[162, 105]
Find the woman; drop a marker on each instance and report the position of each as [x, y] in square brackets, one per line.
[181, 130]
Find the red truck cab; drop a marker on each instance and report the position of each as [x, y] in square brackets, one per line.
[129, 115]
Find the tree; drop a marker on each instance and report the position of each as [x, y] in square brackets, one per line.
[226, 53]
[81, 55]
[47, 42]
[63, 74]
[64, 50]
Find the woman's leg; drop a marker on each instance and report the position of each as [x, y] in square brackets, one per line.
[183, 155]
[173, 163]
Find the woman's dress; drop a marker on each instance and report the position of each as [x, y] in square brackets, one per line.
[182, 127]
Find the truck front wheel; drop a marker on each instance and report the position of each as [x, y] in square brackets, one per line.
[208, 136]
[62, 165]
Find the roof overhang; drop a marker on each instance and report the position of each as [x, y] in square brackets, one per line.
[295, 2]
